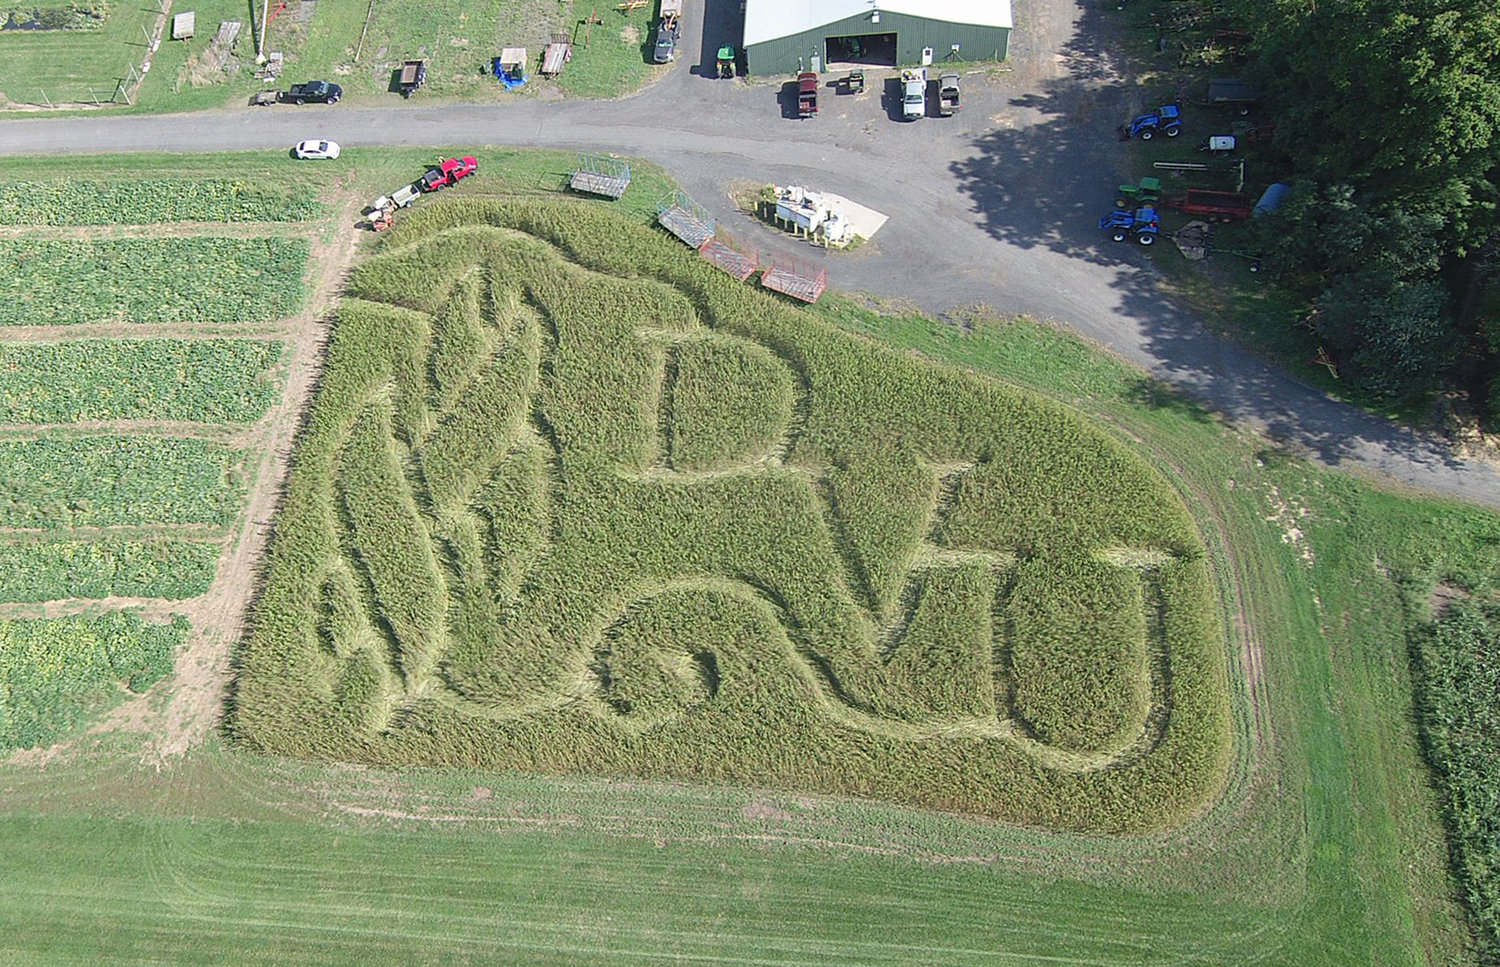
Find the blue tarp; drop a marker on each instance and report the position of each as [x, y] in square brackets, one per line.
[1272, 197]
[512, 78]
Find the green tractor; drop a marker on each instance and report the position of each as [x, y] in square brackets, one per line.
[1130, 197]
[726, 62]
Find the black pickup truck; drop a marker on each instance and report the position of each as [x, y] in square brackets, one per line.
[313, 92]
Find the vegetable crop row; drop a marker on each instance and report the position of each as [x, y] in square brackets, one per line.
[152, 200]
[56, 672]
[193, 279]
[55, 570]
[195, 380]
[105, 481]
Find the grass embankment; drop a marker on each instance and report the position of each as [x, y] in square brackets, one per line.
[1460, 690]
[682, 624]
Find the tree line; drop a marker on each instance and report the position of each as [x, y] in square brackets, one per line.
[1387, 114]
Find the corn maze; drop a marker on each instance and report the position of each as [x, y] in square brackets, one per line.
[570, 500]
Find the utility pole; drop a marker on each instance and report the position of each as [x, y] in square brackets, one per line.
[260, 46]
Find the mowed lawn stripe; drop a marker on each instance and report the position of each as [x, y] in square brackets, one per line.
[293, 894]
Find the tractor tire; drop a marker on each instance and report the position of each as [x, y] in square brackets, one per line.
[1122, 203]
[1173, 132]
[1146, 238]
[1147, 134]
[1117, 236]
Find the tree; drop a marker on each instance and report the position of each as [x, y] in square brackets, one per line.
[1393, 337]
[1398, 98]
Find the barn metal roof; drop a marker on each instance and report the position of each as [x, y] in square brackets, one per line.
[770, 19]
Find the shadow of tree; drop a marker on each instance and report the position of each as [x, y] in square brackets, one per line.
[1042, 181]
[1043, 177]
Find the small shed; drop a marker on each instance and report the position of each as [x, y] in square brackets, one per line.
[183, 25]
[510, 67]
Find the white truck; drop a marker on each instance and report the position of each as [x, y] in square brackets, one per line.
[914, 93]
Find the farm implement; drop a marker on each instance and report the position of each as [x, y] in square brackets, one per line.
[382, 211]
[1165, 120]
[1134, 196]
[1226, 206]
[1142, 224]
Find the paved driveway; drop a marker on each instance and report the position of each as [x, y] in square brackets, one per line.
[996, 205]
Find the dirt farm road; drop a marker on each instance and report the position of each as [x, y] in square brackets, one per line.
[996, 205]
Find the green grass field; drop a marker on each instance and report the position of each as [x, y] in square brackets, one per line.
[69, 69]
[1325, 847]
[39, 68]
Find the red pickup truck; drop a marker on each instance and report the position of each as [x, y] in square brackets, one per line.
[807, 94]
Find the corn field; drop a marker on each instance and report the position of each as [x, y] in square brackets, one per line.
[571, 500]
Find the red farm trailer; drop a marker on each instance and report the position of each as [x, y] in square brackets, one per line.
[1225, 206]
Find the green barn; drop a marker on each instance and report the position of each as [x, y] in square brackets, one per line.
[784, 36]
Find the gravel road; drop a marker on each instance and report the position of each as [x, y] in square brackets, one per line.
[996, 205]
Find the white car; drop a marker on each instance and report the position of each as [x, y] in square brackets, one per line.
[316, 149]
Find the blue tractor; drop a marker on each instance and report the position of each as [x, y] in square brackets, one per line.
[1166, 120]
[1142, 223]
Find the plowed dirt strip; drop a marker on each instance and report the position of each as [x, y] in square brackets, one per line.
[145, 330]
[173, 229]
